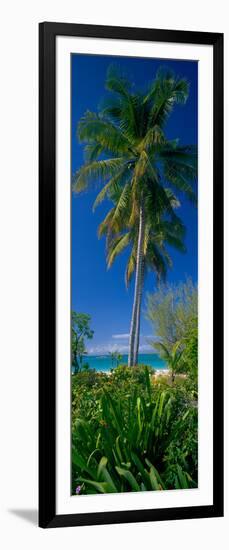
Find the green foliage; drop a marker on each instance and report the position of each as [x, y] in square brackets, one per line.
[130, 430]
[129, 131]
[116, 357]
[80, 330]
[172, 357]
[190, 351]
[130, 435]
[88, 388]
[173, 311]
[136, 375]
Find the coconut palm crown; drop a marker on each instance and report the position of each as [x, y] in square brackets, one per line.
[128, 155]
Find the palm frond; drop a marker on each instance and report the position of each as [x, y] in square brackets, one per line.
[116, 247]
[97, 170]
[105, 224]
[113, 188]
[175, 242]
[122, 203]
[156, 261]
[130, 267]
[164, 93]
[185, 154]
[164, 352]
[158, 198]
[95, 128]
[175, 176]
[170, 227]
[174, 201]
[92, 151]
[154, 135]
[147, 236]
[118, 84]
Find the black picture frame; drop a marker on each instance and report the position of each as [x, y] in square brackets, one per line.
[47, 274]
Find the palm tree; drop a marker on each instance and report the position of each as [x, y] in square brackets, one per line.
[171, 356]
[129, 132]
[159, 231]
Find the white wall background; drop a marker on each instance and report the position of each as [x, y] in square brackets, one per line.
[18, 270]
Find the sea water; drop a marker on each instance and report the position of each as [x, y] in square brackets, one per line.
[104, 363]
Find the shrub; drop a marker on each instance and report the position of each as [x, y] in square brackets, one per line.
[126, 431]
[131, 374]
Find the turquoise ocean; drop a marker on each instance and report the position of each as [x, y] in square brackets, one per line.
[103, 363]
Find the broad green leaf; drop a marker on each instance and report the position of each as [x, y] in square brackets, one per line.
[100, 486]
[129, 477]
[82, 464]
[155, 485]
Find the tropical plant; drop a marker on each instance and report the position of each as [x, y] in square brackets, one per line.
[80, 330]
[88, 388]
[172, 357]
[129, 444]
[158, 233]
[116, 357]
[173, 311]
[129, 132]
[190, 351]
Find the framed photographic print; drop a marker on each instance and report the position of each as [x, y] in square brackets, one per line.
[131, 275]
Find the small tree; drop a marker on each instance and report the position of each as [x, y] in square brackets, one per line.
[173, 311]
[172, 357]
[116, 357]
[80, 330]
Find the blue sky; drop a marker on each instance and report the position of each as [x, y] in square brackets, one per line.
[95, 290]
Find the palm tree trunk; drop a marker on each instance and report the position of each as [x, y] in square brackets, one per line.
[135, 321]
[137, 335]
[138, 317]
